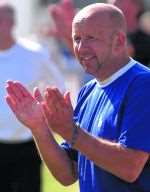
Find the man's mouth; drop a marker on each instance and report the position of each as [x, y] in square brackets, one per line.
[86, 58]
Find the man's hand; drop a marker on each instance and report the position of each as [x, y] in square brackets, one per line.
[59, 112]
[26, 107]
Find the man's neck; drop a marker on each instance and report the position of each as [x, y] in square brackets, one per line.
[116, 65]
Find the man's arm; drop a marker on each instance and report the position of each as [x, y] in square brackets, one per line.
[29, 111]
[55, 158]
[124, 163]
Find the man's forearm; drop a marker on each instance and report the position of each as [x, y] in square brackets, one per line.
[55, 157]
[126, 164]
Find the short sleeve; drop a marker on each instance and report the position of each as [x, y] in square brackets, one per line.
[135, 125]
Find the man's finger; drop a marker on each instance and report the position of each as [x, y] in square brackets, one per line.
[37, 95]
[67, 98]
[11, 103]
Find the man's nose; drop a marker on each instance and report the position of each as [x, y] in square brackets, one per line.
[83, 44]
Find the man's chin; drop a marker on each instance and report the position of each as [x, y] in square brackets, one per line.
[90, 72]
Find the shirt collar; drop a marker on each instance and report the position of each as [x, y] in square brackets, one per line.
[117, 74]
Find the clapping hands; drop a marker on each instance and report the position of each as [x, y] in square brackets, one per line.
[35, 112]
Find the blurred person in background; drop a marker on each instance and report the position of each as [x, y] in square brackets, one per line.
[138, 37]
[63, 13]
[144, 21]
[28, 62]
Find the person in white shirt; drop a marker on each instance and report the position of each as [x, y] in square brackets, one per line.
[29, 63]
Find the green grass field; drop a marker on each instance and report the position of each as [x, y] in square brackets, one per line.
[49, 184]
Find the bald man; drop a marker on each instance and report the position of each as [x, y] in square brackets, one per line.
[107, 135]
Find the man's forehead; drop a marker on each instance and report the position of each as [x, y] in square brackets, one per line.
[92, 19]
[90, 16]
[86, 28]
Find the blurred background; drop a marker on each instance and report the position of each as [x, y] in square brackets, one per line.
[33, 13]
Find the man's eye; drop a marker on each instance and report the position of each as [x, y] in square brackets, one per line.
[77, 39]
[90, 37]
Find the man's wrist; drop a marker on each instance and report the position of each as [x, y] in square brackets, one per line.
[75, 134]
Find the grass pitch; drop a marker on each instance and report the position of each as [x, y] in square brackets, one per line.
[49, 184]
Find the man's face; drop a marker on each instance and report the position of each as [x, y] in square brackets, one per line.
[92, 41]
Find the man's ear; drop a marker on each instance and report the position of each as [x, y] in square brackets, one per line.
[120, 42]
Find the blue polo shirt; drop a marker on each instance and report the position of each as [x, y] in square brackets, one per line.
[119, 110]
